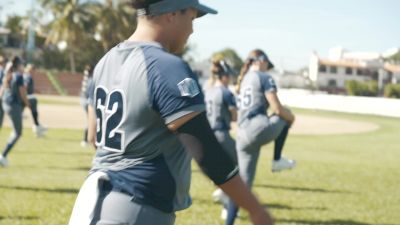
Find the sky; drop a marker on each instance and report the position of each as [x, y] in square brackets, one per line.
[287, 30]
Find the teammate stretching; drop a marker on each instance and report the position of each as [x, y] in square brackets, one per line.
[38, 129]
[257, 92]
[2, 64]
[85, 92]
[221, 110]
[14, 97]
[149, 119]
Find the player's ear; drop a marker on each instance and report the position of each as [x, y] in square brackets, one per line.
[170, 17]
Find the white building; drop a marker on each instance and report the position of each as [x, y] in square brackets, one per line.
[332, 73]
[4, 32]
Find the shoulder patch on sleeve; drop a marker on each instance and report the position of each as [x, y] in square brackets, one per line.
[188, 87]
[271, 81]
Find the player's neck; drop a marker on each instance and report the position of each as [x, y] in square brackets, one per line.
[219, 83]
[150, 33]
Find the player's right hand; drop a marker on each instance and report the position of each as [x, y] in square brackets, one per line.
[261, 217]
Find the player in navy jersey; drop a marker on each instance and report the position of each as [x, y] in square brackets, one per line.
[37, 128]
[14, 98]
[257, 93]
[147, 119]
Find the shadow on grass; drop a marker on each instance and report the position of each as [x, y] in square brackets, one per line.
[287, 207]
[83, 168]
[51, 190]
[19, 218]
[299, 188]
[74, 153]
[328, 222]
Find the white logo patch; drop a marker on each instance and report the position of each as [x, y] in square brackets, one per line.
[188, 87]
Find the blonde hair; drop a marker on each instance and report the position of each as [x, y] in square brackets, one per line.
[246, 66]
[29, 68]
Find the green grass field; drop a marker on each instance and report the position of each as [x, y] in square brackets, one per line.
[340, 179]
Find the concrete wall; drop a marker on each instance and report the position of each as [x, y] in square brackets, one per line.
[363, 105]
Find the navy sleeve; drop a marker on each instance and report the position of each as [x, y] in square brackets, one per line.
[267, 83]
[174, 90]
[229, 98]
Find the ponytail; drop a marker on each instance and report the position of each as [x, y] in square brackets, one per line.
[245, 68]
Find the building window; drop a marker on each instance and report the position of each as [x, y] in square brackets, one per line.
[375, 74]
[332, 69]
[359, 72]
[349, 70]
[322, 68]
[332, 83]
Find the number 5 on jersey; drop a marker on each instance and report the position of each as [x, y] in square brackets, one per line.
[110, 112]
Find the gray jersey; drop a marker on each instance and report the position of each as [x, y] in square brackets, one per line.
[11, 95]
[28, 82]
[219, 100]
[251, 100]
[139, 88]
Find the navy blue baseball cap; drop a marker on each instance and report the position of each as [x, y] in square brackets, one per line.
[263, 57]
[168, 6]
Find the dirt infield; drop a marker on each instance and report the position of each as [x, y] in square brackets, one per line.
[70, 115]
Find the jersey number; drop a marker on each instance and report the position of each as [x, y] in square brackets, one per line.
[110, 111]
[245, 99]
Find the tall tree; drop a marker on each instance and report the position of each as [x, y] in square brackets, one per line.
[17, 32]
[73, 21]
[116, 20]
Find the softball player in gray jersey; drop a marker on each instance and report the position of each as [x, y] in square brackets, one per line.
[2, 64]
[38, 129]
[13, 97]
[221, 110]
[87, 82]
[257, 92]
[147, 119]
[221, 106]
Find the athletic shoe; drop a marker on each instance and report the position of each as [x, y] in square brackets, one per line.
[3, 161]
[39, 130]
[283, 164]
[84, 144]
[219, 196]
[224, 214]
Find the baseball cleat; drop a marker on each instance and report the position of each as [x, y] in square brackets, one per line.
[283, 164]
[3, 161]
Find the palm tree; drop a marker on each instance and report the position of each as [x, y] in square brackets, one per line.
[116, 20]
[73, 21]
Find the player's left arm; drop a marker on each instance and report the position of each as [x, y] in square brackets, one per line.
[196, 135]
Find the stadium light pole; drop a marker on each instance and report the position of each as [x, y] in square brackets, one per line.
[30, 46]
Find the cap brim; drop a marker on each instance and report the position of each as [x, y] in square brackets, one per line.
[270, 65]
[203, 10]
